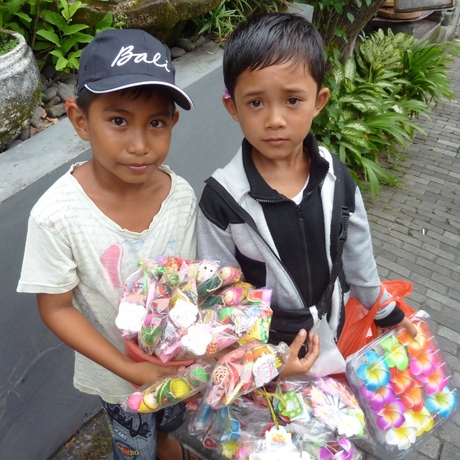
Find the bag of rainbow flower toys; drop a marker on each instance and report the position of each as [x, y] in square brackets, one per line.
[170, 390]
[179, 309]
[404, 387]
[244, 369]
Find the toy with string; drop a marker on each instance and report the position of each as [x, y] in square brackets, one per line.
[321, 401]
[404, 386]
[242, 370]
[170, 390]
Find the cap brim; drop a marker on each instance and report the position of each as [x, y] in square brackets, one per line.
[108, 85]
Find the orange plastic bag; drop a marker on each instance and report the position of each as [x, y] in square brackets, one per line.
[359, 328]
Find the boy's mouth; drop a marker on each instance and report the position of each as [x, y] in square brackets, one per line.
[137, 168]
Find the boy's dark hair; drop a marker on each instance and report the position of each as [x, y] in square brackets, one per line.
[270, 39]
[86, 97]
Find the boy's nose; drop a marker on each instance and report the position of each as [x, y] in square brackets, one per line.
[138, 144]
[275, 119]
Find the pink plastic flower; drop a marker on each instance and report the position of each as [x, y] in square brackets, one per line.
[423, 420]
[401, 381]
[374, 372]
[379, 398]
[395, 353]
[343, 450]
[404, 436]
[413, 398]
[391, 416]
[435, 382]
[423, 362]
[442, 403]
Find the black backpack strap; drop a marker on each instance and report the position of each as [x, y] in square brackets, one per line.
[234, 206]
[344, 200]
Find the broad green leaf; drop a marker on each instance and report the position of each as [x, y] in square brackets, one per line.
[69, 30]
[50, 36]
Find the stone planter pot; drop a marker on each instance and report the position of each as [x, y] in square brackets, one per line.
[19, 89]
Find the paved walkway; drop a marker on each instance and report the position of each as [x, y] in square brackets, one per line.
[416, 236]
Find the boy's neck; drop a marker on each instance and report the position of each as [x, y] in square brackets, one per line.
[287, 176]
[131, 206]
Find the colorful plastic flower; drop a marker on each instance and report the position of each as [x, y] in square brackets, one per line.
[423, 420]
[343, 450]
[401, 381]
[391, 415]
[374, 372]
[413, 398]
[442, 403]
[395, 352]
[435, 382]
[404, 436]
[421, 340]
[423, 362]
[379, 398]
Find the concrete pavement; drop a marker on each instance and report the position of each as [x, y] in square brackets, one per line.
[416, 236]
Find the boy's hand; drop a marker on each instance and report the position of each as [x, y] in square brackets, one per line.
[406, 323]
[146, 373]
[298, 366]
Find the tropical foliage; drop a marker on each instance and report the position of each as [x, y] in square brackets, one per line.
[377, 97]
[48, 28]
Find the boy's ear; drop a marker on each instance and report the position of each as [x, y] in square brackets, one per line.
[175, 117]
[77, 118]
[231, 107]
[321, 100]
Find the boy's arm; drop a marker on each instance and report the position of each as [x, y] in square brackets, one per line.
[214, 242]
[71, 326]
[360, 269]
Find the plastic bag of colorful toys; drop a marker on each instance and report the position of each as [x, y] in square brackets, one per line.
[181, 309]
[298, 419]
[244, 369]
[170, 390]
[404, 386]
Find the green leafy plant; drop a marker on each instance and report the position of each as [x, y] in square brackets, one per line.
[377, 95]
[420, 67]
[362, 121]
[48, 28]
[220, 22]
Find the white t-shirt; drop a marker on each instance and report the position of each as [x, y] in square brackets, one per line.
[71, 244]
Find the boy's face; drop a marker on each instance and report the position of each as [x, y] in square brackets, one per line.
[129, 138]
[275, 107]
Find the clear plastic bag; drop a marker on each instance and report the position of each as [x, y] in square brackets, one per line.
[170, 390]
[404, 386]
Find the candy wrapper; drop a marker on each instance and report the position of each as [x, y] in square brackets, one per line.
[404, 386]
[170, 390]
[180, 309]
[243, 370]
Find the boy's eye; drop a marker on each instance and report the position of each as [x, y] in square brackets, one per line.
[292, 100]
[157, 124]
[118, 121]
[256, 103]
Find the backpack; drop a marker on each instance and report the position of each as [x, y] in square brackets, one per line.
[290, 321]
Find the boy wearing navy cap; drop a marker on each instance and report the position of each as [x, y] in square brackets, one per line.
[91, 228]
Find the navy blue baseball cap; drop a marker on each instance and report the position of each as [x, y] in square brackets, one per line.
[124, 58]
